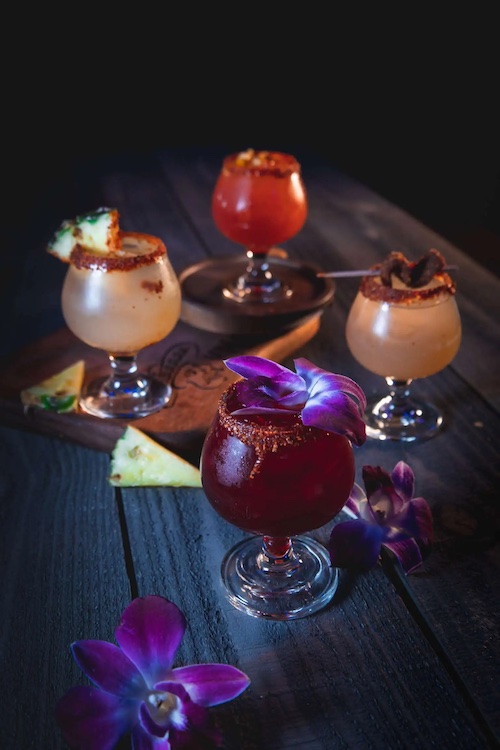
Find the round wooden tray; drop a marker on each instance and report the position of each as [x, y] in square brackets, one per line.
[204, 305]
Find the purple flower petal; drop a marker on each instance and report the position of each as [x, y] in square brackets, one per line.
[142, 740]
[94, 720]
[250, 367]
[403, 480]
[355, 545]
[211, 684]
[150, 631]
[415, 520]
[326, 400]
[109, 668]
[355, 500]
[408, 553]
[189, 724]
[335, 413]
[318, 380]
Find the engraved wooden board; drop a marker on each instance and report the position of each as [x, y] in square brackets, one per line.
[190, 359]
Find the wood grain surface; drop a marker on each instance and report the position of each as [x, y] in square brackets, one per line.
[395, 662]
[189, 359]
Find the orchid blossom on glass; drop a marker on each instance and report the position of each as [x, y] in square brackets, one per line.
[138, 691]
[388, 516]
[326, 400]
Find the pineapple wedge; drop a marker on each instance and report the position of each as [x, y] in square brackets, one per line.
[138, 461]
[97, 231]
[58, 393]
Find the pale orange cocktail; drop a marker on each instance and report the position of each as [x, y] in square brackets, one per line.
[124, 302]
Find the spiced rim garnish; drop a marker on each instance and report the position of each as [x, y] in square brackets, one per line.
[415, 275]
[117, 260]
[263, 438]
[275, 163]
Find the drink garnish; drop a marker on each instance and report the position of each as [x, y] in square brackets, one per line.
[97, 231]
[323, 399]
[412, 274]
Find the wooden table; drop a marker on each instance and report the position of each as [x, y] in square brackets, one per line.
[396, 661]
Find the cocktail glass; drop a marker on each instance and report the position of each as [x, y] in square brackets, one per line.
[259, 201]
[403, 333]
[121, 303]
[272, 476]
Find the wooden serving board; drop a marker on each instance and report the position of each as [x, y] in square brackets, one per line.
[190, 359]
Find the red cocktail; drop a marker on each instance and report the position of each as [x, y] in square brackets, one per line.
[273, 475]
[259, 200]
[278, 461]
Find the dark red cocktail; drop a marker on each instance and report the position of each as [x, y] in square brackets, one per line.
[273, 475]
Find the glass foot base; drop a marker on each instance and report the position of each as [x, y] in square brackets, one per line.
[101, 400]
[244, 290]
[303, 584]
[412, 421]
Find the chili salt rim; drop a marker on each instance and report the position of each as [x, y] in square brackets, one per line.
[83, 258]
[275, 163]
[371, 288]
[262, 438]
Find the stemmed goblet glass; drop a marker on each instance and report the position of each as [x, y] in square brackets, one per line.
[404, 324]
[268, 469]
[259, 201]
[122, 302]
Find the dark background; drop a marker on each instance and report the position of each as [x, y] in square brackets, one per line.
[453, 190]
[414, 117]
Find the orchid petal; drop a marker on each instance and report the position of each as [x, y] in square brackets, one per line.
[386, 504]
[408, 553]
[141, 740]
[335, 413]
[257, 394]
[211, 684]
[380, 491]
[355, 544]
[318, 380]
[403, 480]
[92, 719]
[149, 633]
[251, 366]
[355, 500]
[190, 723]
[109, 668]
[415, 520]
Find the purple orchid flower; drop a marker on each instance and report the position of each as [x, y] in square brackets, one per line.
[138, 691]
[331, 402]
[388, 516]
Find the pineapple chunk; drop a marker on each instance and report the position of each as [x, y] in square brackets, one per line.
[138, 461]
[97, 231]
[60, 392]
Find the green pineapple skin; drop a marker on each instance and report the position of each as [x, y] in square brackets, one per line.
[92, 230]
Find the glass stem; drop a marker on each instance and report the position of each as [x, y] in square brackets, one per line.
[257, 269]
[399, 391]
[123, 378]
[277, 556]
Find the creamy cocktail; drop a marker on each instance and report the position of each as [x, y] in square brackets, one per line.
[125, 302]
[120, 294]
[410, 338]
[404, 324]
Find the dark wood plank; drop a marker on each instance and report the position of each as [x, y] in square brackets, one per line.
[359, 674]
[189, 359]
[63, 577]
[350, 227]
[396, 657]
[457, 591]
